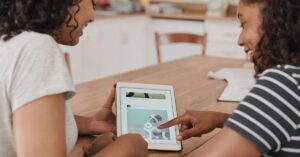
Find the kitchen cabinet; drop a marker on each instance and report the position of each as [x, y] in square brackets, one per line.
[114, 45]
[108, 47]
[223, 39]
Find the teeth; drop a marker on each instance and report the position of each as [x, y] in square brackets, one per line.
[249, 56]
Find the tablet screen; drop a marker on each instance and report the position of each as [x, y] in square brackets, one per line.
[142, 110]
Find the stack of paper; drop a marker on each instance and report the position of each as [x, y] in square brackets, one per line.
[240, 82]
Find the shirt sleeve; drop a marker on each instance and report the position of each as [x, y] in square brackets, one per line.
[268, 116]
[40, 71]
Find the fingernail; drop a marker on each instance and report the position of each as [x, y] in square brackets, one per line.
[179, 138]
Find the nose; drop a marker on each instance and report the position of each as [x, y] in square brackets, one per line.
[92, 18]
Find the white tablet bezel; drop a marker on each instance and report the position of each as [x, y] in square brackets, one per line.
[165, 147]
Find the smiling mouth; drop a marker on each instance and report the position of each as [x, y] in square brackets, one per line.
[248, 51]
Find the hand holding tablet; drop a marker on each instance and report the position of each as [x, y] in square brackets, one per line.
[141, 108]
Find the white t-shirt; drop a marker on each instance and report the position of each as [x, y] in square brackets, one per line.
[31, 66]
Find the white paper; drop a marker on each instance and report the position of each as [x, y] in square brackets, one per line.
[239, 82]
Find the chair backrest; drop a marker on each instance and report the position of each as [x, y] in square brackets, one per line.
[171, 38]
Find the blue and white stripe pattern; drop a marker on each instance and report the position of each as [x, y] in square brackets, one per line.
[269, 115]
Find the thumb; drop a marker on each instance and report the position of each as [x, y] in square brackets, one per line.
[110, 100]
[103, 127]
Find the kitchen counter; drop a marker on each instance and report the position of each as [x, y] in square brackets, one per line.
[99, 17]
[192, 17]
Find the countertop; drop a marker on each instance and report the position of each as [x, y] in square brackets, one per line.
[192, 17]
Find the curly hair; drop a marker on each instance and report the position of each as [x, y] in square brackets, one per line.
[43, 16]
[280, 34]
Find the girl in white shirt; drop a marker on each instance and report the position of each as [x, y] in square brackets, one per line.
[35, 84]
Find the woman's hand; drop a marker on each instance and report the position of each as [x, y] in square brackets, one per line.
[136, 145]
[129, 145]
[196, 123]
[99, 143]
[104, 120]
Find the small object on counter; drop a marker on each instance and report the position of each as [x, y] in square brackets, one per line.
[103, 3]
[112, 7]
[165, 8]
[125, 6]
[152, 9]
[137, 5]
[145, 3]
[217, 7]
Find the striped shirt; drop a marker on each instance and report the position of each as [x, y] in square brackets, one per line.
[269, 116]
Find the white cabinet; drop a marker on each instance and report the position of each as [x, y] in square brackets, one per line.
[223, 39]
[108, 47]
[115, 45]
[173, 51]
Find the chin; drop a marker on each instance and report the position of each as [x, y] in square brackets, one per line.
[70, 43]
[73, 43]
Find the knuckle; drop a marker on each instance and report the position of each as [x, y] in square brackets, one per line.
[145, 144]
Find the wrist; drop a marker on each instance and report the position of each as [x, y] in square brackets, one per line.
[222, 117]
[84, 125]
[89, 126]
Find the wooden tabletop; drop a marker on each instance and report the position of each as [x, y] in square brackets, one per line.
[193, 91]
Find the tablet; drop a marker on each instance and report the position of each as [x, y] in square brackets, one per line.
[141, 108]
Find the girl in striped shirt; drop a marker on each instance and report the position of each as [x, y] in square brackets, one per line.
[267, 121]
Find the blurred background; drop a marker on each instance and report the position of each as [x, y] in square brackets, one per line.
[122, 37]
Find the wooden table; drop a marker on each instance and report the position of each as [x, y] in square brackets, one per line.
[193, 91]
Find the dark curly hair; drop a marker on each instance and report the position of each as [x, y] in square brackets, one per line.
[43, 16]
[280, 34]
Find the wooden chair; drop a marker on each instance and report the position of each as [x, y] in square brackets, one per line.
[172, 38]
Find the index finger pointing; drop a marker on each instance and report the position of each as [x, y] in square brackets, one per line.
[170, 123]
[178, 120]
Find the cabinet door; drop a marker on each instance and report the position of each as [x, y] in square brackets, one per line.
[132, 41]
[223, 39]
[100, 51]
[114, 46]
[174, 51]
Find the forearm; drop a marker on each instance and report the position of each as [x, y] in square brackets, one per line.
[83, 124]
[221, 118]
[225, 144]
